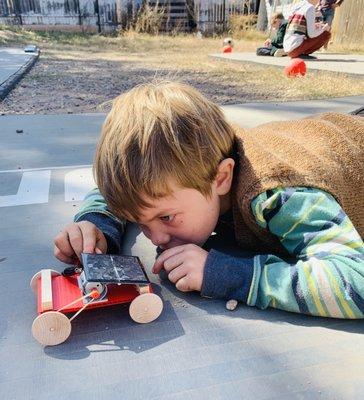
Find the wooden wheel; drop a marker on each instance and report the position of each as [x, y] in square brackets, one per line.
[33, 281]
[51, 328]
[146, 308]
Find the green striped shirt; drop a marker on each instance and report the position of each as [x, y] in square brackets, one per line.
[327, 277]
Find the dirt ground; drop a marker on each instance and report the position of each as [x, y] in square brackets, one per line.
[83, 73]
[68, 85]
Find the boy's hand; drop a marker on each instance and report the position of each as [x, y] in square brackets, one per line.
[184, 265]
[326, 27]
[77, 238]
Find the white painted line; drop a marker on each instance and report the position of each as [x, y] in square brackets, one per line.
[78, 183]
[45, 168]
[33, 189]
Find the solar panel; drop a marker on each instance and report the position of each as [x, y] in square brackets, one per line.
[110, 268]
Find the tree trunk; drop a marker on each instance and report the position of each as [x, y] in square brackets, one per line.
[262, 22]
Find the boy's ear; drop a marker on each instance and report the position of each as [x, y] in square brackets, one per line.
[224, 176]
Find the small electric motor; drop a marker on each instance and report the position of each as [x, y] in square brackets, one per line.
[87, 287]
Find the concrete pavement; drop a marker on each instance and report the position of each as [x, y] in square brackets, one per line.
[252, 114]
[347, 64]
[14, 63]
[196, 349]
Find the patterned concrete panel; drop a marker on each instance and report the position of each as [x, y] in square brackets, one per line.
[196, 349]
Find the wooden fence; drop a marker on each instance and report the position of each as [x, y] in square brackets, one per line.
[101, 15]
[213, 15]
[347, 28]
[105, 15]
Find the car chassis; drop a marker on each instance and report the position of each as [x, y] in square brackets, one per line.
[104, 280]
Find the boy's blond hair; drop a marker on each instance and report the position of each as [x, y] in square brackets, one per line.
[155, 134]
[276, 16]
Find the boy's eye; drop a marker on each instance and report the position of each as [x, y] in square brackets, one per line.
[167, 218]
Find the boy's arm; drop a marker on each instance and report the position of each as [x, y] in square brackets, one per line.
[312, 30]
[326, 274]
[95, 210]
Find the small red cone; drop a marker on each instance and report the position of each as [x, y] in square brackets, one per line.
[227, 49]
[295, 67]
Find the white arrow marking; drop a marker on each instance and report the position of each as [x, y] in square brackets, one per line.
[33, 189]
[78, 183]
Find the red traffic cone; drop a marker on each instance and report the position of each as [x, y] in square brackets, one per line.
[296, 67]
[227, 49]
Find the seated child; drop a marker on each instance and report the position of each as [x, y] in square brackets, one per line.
[288, 194]
[303, 36]
[274, 46]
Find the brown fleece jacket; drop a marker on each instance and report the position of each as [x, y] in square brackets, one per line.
[325, 151]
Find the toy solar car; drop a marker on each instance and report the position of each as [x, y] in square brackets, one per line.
[104, 280]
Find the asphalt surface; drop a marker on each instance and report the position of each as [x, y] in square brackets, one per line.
[343, 63]
[196, 349]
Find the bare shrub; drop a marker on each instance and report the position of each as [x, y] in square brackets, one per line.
[150, 19]
[243, 26]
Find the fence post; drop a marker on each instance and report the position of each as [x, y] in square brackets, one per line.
[347, 26]
[224, 16]
[18, 12]
[98, 15]
[262, 16]
[79, 13]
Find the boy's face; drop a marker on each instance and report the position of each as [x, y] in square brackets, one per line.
[276, 23]
[184, 217]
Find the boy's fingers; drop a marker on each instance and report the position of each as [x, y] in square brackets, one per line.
[89, 236]
[101, 242]
[174, 261]
[159, 263]
[62, 257]
[178, 273]
[62, 242]
[76, 239]
[183, 285]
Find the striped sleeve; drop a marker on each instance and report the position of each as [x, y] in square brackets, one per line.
[95, 203]
[325, 276]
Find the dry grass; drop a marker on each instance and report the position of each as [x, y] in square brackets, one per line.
[150, 19]
[186, 54]
[191, 54]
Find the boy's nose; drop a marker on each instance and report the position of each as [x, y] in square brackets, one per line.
[159, 238]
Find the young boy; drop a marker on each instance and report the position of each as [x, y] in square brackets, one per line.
[274, 46]
[303, 36]
[290, 193]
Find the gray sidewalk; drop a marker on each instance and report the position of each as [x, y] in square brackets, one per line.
[14, 63]
[348, 64]
[252, 114]
[196, 349]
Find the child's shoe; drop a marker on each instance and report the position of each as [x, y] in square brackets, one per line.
[280, 53]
